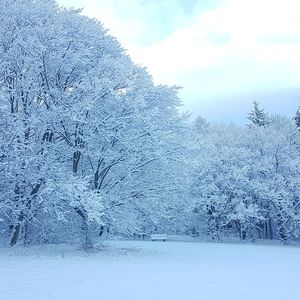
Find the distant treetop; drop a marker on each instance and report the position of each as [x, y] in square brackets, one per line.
[257, 116]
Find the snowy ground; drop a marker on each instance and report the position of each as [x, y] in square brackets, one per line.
[152, 270]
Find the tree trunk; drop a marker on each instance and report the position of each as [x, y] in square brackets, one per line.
[16, 230]
[270, 229]
[87, 242]
[281, 217]
[15, 234]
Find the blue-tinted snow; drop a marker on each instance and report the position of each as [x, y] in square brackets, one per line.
[145, 270]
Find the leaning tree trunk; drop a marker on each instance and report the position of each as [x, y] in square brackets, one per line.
[16, 227]
[21, 225]
[16, 230]
[87, 242]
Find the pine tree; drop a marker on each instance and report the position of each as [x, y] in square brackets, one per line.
[257, 116]
[297, 118]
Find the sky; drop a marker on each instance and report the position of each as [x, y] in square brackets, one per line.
[223, 53]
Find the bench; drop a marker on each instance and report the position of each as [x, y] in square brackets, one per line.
[139, 235]
[158, 237]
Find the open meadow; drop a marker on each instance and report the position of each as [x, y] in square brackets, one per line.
[129, 270]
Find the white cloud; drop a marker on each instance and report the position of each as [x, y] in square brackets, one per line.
[237, 47]
[247, 25]
[245, 61]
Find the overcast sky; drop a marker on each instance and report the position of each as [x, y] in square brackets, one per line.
[224, 53]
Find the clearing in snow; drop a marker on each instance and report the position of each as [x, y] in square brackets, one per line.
[145, 270]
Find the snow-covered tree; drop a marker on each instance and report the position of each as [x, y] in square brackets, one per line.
[80, 122]
[245, 181]
[257, 116]
[297, 117]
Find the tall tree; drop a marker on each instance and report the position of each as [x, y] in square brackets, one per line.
[257, 116]
[297, 118]
[86, 122]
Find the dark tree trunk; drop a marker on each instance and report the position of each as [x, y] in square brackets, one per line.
[87, 242]
[16, 230]
[15, 235]
[270, 229]
[281, 218]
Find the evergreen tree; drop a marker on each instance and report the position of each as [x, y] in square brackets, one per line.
[297, 118]
[257, 116]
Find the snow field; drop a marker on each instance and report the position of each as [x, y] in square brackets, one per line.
[143, 270]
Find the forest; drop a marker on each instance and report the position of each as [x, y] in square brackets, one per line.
[91, 148]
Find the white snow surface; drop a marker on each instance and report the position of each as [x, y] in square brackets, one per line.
[145, 270]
